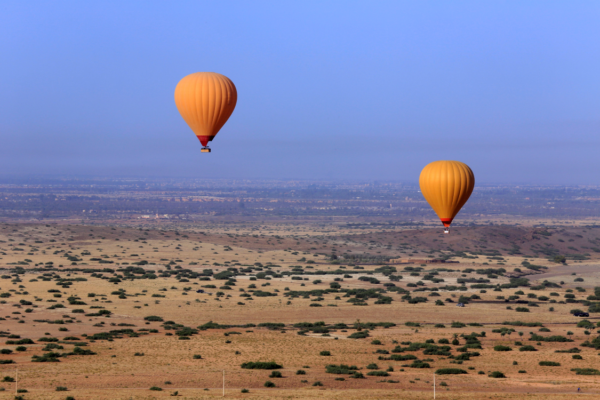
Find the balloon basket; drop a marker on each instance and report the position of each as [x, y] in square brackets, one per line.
[205, 150]
[446, 230]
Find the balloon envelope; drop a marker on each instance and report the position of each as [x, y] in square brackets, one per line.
[447, 185]
[205, 100]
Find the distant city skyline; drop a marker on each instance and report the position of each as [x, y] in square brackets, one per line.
[336, 90]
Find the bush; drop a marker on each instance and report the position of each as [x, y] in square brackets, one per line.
[527, 348]
[197, 357]
[153, 318]
[584, 323]
[502, 348]
[576, 357]
[61, 389]
[419, 364]
[20, 341]
[372, 366]
[522, 309]
[275, 374]
[359, 335]
[586, 371]
[340, 369]
[156, 388]
[497, 374]
[261, 365]
[317, 383]
[549, 364]
[450, 371]
[301, 372]
[325, 353]
[378, 373]
[555, 338]
[269, 384]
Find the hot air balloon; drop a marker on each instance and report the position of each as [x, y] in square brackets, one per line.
[205, 100]
[447, 185]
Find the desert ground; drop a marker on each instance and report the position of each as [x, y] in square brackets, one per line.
[298, 309]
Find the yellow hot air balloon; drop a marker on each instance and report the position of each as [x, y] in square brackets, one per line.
[447, 185]
[205, 100]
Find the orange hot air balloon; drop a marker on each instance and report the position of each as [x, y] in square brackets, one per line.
[205, 100]
[447, 185]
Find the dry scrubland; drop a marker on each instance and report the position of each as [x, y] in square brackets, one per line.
[127, 296]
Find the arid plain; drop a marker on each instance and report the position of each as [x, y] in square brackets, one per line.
[113, 310]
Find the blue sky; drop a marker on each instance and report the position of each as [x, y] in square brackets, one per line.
[326, 89]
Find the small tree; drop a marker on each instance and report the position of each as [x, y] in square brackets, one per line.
[559, 259]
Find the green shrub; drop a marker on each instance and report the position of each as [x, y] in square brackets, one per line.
[269, 384]
[340, 369]
[586, 371]
[502, 348]
[378, 373]
[527, 348]
[573, 350]
[325, 353]
[61, 389]
[555, 338]
[153, 318]
[261, 365]
[156, 388]
[497, 374]
[301, 372]
[549, 364]
[584, 323]
[275, 374]
[372, 366]
[450, 371]
[419, 364]
[359, 335]
[20, 341]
